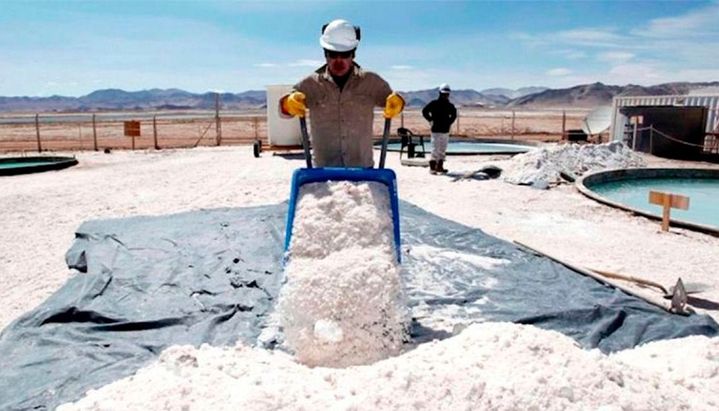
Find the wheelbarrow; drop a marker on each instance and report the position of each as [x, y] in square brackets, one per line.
[308, 175]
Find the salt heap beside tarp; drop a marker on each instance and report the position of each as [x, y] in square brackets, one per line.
[498, 366]
[544, 166]
[342, 303]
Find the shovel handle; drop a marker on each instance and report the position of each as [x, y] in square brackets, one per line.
[306, 142]
[385, 135]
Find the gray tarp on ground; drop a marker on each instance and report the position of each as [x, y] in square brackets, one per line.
[213, 275]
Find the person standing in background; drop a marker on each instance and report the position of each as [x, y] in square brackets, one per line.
[440, 113]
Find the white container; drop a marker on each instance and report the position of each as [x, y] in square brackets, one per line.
[281, 131]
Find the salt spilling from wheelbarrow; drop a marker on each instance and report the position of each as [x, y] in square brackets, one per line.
[342, 303]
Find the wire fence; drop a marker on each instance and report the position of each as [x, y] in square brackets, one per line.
[710, 145]
[99, 131]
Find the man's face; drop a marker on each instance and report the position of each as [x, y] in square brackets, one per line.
[339, 63]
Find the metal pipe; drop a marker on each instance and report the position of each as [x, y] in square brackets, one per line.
[306, 142]
[385, 135]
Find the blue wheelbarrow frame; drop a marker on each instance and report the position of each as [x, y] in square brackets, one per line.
[309, 175]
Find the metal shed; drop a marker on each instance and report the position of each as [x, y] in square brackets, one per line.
[624, 128]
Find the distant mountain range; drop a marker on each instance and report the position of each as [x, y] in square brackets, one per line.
[587, 95]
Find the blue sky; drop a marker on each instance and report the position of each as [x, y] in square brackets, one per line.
[74, 47]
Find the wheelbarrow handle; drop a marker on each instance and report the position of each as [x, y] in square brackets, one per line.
[385, 135]
[306, 142]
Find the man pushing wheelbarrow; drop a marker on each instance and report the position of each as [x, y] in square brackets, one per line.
[341, 97]
[342, 301]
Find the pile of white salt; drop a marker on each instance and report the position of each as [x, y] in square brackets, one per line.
[497, 366]
[342, 303]
[543, 166]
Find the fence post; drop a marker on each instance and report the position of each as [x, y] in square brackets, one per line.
[651, 139]
[94, 133]
[512, 124]
[218, 125]
[564, 124]
[634, 136]
[459, 131]
[37, 132]
[154, 132]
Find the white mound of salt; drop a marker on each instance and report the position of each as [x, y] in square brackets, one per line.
[342, 303]
[542, 166]
[497, 366]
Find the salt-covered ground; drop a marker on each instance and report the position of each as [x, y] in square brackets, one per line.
[500, 366]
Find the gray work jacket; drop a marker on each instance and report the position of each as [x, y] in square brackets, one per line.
[341, 121]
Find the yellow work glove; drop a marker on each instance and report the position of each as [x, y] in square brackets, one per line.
[293, 104]
[393, 106]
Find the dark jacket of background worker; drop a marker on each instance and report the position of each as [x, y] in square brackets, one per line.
[440, 113]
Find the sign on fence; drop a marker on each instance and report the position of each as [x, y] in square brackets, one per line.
[132, 128]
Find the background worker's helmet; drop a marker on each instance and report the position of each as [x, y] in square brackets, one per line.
[444, 88]
[339, 35]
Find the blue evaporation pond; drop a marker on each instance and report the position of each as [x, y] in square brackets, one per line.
[466, 147]
[24, 164]
[703, 196]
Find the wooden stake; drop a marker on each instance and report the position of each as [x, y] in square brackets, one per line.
[668, 201]
[564, 124]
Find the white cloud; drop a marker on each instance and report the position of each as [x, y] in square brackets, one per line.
[696, 23]
[615, 56]
[698, 74]
[559, 71]
[637, 72]
[571, 54]
[306, 63]
[652, 51]
[589, 35]
[401, 67]
[586, 37]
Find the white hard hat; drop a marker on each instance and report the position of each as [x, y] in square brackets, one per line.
[340, 35]
[444, 88]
